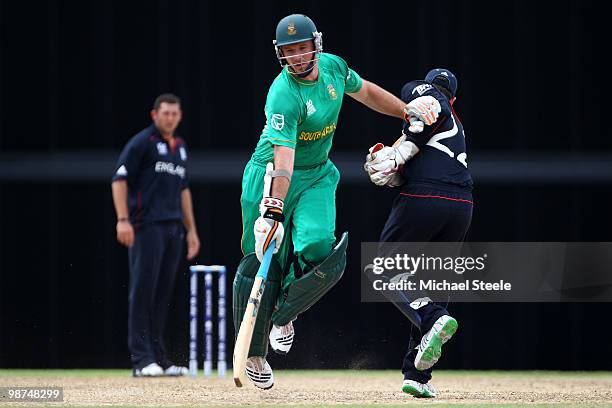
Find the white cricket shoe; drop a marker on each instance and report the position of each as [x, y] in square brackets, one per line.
[152, 370]
[281, 338]
[176, 371]
[418, 390]
[259, 371]
[430, 348]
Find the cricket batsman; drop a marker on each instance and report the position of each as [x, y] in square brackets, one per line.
[428, 165]
[298, 212]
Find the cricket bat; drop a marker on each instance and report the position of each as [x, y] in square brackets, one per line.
[245, 333]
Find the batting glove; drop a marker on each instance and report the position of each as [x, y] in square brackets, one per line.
[268, 227]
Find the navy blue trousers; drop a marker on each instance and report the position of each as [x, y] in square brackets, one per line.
[154, 260]
[423, 214]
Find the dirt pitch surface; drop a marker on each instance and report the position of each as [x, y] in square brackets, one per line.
[320, 388]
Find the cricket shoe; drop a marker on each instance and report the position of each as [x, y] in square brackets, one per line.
[176, 371]
[418, 390]
[281, 338]
[259, 371]
[430, 348]
[151, 370]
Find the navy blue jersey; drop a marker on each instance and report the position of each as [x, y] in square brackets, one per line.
[156, 175]
[441, 161]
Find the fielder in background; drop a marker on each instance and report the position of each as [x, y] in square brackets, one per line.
[428, 164]
[302, 109]
[154, 209]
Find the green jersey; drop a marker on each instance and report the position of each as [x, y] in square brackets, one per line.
[303, 115]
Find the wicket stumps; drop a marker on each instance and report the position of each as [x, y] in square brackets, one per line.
[207, 271]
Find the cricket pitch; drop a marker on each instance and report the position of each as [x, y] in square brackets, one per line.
[352, 388]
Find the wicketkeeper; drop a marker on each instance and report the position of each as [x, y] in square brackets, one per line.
[302, 109]
[428, 165]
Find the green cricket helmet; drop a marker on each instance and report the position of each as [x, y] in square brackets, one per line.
[294, 29]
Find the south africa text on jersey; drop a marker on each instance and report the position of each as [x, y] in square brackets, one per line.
[311, 136]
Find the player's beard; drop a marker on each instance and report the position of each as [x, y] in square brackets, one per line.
[309, 67]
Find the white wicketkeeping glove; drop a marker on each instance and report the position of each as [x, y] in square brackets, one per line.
[421, 111]
[383, 162]
[379, 158]
[387, 178]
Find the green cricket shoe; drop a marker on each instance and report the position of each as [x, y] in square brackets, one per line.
[430, 348]
[418, 390]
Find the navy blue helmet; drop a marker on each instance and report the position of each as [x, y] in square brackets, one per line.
[444, 78]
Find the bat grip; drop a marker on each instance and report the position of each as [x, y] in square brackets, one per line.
[265, 262]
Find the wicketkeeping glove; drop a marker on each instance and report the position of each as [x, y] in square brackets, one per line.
[383, 162]
[421, 111]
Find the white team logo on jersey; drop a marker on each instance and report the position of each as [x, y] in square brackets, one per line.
[310, 109]
[421, 89]
[162, 149]
[277, 121]
[122, 171]
[183, 153]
